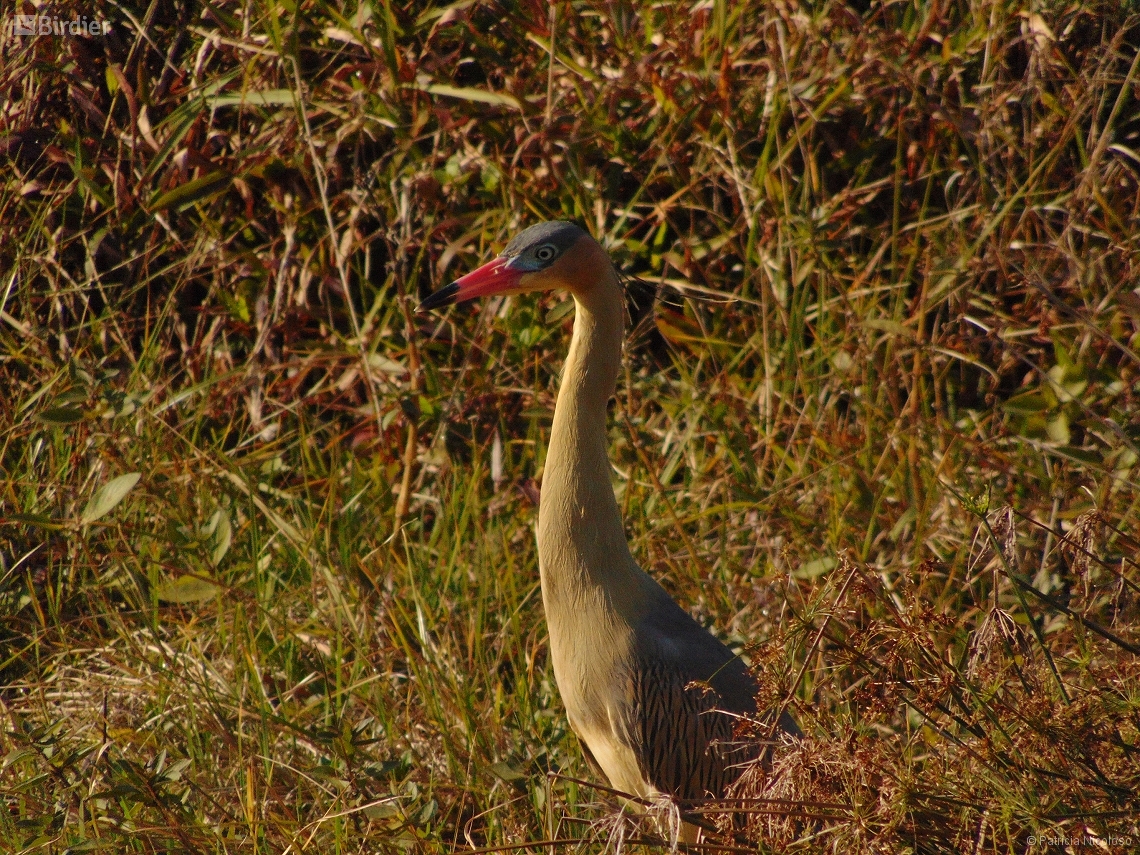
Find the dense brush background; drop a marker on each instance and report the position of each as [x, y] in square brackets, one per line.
[266, 535]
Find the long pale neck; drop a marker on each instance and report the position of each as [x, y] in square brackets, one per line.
[583, 553]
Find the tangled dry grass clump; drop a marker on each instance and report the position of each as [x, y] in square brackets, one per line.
[266, 556]
[985, 723]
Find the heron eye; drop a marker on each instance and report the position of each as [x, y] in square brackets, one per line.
[545, 252]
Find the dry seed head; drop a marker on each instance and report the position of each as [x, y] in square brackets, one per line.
[1002, 523]
[1079, 545]
[999, 528]
[998, 633]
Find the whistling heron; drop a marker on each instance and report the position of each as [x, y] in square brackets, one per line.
[654, 697]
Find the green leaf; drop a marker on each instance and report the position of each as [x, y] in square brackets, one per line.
[237, 306]
[482, 96]
[220, 534]
[381, 363]
[383, 810]
[559, 312]
[1029, 403]
[192, 191]
[889, 326]
[490, 177]
[86, 180]
[60, 415]
[1068, 381]
[267, 98]
[107, 496]
[174, 771]
[1083, 455]
[1058, 428]
[187, 589]
[86, 846]
[815, 568]
[329, 775]
[16, 755]
[506, 772]
[175, 127]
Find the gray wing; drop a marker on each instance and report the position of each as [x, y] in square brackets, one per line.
[686, 734]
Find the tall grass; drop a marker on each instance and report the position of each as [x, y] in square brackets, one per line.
[878, 422]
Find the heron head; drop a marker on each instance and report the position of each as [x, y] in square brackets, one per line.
[544, 257]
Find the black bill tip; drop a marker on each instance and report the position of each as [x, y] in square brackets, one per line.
[445, 296]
